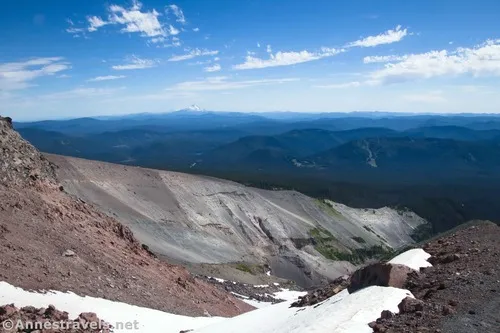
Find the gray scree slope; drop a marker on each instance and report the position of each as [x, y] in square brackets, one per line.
[201, 219]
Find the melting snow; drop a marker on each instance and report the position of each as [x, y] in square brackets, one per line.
[415, 258]
[112, 312]
[342, 313]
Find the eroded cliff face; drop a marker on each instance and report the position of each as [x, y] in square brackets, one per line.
[21, 164]
[200, 219]
[50, 240]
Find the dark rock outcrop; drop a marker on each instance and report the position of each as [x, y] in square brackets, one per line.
[380, 274]
[30, 316]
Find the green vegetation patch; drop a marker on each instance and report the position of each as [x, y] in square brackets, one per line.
[422, 232]
[327, 207]
[358, 239]
[324, 243]
[244, 268]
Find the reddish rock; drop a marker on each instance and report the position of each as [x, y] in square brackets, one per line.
[448, 310]
[89, 317]
[379, 274]
[7, 311]
[386, 314]
[409, 305]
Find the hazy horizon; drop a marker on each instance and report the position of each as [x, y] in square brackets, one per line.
[78, 59]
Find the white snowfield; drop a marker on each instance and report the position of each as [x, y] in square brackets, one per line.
[342, 313]
[284, 294]
[112, 312]
[414, 258]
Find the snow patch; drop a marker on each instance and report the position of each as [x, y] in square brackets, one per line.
[112, 312]
[217, 279]
[289, 295]
[415, 259]
[341, 313]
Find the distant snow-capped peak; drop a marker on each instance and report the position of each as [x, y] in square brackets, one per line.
[193, 107]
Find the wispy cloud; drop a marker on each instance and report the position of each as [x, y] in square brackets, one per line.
[179, 14]
[352, 84]
[224, 83]
[76, 32]
[133, 19]
[382, 59]
[214, 68]
[481, 60]
[287, 58]
[193, 54]
[95, 23]
[20, 75]
[106, 78]
[136, 63]
[173, 30]
[388, 37]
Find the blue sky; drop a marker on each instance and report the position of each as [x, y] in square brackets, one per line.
[61, 59]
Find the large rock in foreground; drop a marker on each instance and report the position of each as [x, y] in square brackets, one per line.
[379, 274]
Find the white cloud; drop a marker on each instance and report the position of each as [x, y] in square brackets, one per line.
[196, 29]
[135, 20]
[63, 76]
[352, 84]
[287, 58]
[95, 23]
[178, 13]
[193, 54]
[72, 30]
[481, 60]
[214, 68]
[222, 83]
[269, 49]
[77, 32]
[258, 44]
[172, 30]
[156, 40]
[146, 23]
[19, 75]
[381, 59]
[136, 63]
[388, 37]
[106, 78]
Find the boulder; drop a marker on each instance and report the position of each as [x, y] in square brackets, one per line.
[409, 305]
[380, 274]
[69, 253]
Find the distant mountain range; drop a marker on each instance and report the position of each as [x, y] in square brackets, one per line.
[364, 159]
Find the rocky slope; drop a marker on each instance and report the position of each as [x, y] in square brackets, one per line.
[197, 219]
[460, 293]
[52, 240]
